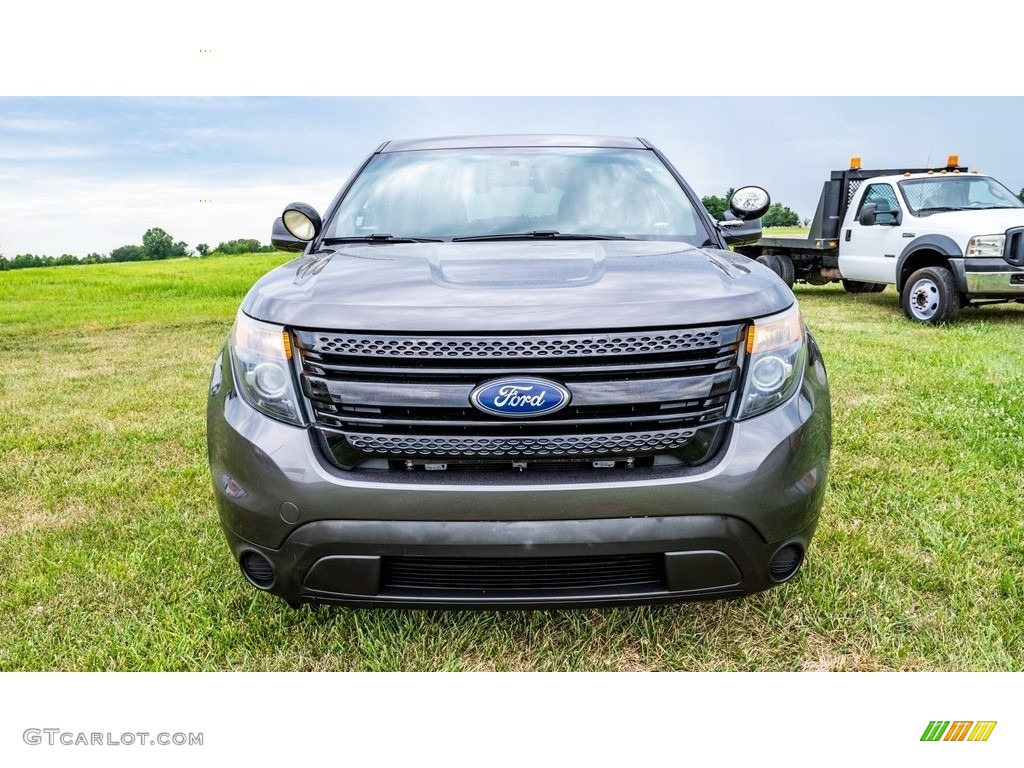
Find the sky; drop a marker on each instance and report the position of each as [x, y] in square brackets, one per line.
[82, 174]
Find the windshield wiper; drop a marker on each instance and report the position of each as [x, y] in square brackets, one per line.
[537, 234]
[379, 237]
[934, 208]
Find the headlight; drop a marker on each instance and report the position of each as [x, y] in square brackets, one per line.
[776, 350]
[986, 245]
[261, 356]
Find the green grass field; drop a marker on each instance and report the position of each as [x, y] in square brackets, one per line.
[111, 556]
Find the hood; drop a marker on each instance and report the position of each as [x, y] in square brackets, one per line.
[516, 286]
[968, 222]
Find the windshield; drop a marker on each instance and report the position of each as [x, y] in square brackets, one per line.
[455, 193]
[956, 193]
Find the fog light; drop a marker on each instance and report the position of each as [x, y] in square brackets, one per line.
[786, 563]
[257, 569]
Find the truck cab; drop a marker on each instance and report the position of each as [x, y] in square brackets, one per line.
[945, 239]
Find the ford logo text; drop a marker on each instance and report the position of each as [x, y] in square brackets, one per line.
[520, 398]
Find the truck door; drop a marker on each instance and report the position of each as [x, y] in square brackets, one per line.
[868, 252]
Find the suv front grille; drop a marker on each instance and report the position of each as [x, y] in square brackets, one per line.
[640, 397]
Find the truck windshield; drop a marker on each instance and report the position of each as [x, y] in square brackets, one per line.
[468, 193]
[957, 193]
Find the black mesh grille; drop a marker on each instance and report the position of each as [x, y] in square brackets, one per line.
[494, 575]
[541, 445]
[518, 347]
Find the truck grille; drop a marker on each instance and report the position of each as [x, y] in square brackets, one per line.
[639, 398]
[1013, 250]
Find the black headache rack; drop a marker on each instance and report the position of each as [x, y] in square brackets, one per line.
[839, 190]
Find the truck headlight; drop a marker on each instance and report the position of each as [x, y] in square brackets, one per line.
[776, 351]
[986, 245]
[261, 356]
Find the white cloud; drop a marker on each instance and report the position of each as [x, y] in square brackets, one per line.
[52, 214]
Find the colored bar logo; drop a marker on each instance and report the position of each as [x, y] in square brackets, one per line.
[958, 730]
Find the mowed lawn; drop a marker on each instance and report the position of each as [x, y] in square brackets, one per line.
[111, 556]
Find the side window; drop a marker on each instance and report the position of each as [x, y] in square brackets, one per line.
[883, 196]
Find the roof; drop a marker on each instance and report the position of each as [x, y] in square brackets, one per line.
[523, 140]
[893, 178]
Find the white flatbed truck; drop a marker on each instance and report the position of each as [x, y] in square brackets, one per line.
[946, 237]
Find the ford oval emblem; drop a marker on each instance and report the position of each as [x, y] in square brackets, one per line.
[520, 398]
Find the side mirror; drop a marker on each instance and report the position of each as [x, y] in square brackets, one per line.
[302, 221]
[749, 203]
[739, 232]
[868, 215]
[283, 240]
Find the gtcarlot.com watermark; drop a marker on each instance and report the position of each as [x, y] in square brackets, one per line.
[54, 737]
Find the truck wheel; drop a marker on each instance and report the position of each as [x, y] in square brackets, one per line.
[930, 296]
[775, 263]
[786, 270]
[856, 286]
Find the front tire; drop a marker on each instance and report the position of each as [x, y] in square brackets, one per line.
[930, 296]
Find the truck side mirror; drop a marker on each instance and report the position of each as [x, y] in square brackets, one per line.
[868, 215]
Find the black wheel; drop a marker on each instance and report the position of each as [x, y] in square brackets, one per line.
[930, 296]
[769, 260]
[857, 286]
[786, 270]
[780, 265]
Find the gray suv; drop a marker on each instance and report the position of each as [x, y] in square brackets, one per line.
[518, 371]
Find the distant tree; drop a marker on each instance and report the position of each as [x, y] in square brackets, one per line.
[4, 264]
[779, 215]
[157, 244]
[127, 253]
[203, 249]
[26, 260]
[1021, 194]
[233, 247]
[95, 258]
[717, 206]
[66, 259]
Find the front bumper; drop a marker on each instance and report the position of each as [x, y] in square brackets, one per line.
[989, 278]
[710, 531]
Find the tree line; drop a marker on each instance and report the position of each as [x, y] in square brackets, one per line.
[156, 245]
